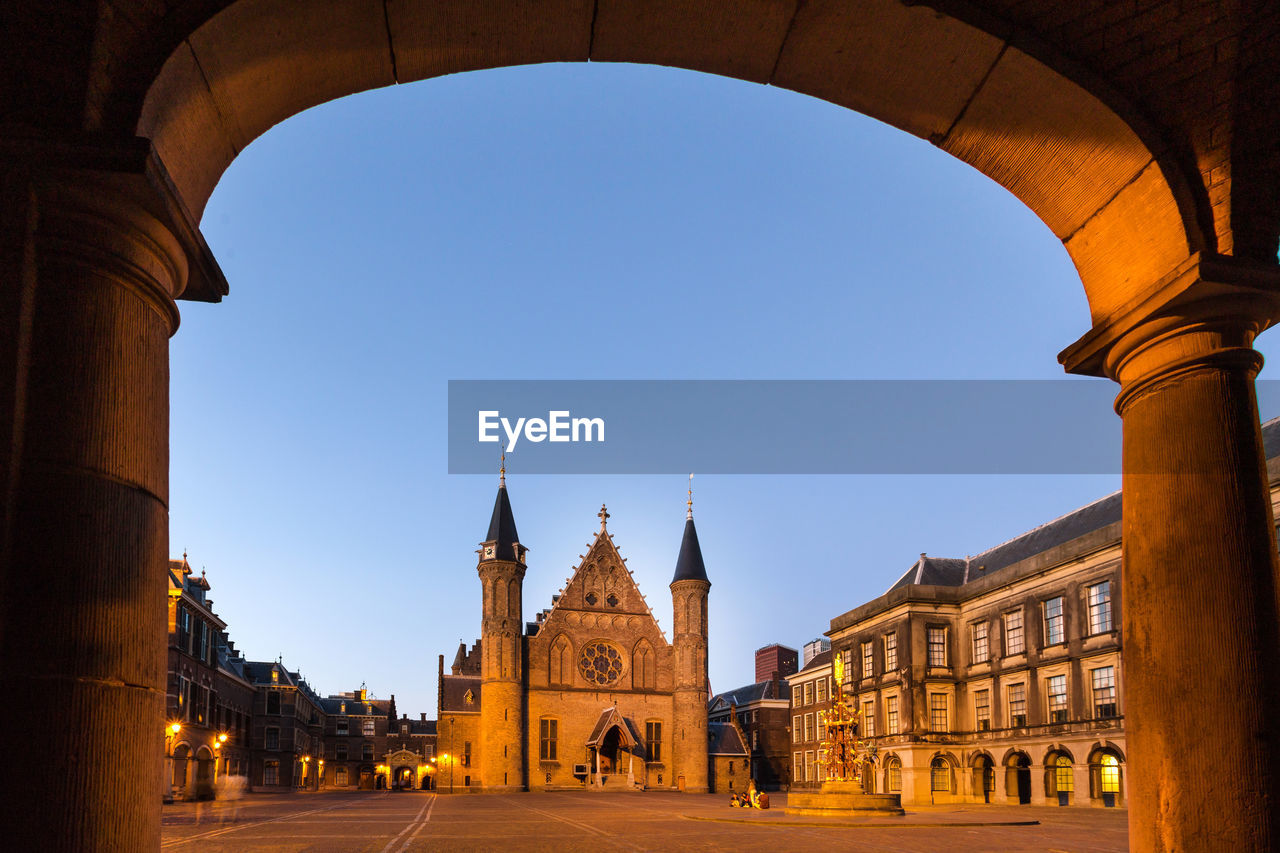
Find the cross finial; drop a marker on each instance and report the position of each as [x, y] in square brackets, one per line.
[689, 503]
[603, 515]
[502, 470]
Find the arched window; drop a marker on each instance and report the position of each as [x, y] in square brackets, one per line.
[940, 775]
[1110, 774]
[893, 775]
[642, 667]
[560, 665]
[1063, 777]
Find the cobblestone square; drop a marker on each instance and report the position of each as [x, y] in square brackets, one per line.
[385, 822]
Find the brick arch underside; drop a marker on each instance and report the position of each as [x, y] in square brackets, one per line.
[1068, 156]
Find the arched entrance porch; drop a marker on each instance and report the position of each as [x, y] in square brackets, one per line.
[101, 237]
[615, 758]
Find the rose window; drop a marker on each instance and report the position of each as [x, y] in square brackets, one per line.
[600, 663]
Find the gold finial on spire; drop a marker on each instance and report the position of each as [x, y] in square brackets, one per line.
[603, 515]
[689, 503]
[502, 470]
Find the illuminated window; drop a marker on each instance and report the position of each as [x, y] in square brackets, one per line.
[868, 719]
[1053, 625]
[1110, 773]
[891, 714]
[938, 712]
[891, 651]
[1104, 691]
[939, 776]
[1017, 705]
[937, 647]
[981, 648]
[548, 734]
[868, 661]
[982, 710]
[271, 772]
[1014, 642]
[893, 775]
[366, 728]
[340, 776]
[1058, 699]
[1100, 608]
[1063, 777]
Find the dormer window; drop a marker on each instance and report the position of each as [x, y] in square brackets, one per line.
[469, 698]
[275, 676]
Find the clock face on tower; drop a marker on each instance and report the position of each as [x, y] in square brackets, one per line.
[488, 552]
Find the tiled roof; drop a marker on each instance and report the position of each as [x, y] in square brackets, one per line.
[723, 739]
[820, 659]
[932, 571]
[455, 689]
[751, 693]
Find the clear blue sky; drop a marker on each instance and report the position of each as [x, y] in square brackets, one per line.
[581, 222]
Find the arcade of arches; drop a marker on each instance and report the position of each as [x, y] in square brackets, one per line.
[1143, 134]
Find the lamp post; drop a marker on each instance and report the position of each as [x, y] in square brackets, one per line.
[217, 754]
[170, 732]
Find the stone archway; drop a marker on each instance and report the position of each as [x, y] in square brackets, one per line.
[120, 124]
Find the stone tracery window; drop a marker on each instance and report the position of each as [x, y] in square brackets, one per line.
[600, 663]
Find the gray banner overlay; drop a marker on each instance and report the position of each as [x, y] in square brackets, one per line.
[1065, 426]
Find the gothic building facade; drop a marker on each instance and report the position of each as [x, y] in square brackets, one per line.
[591, 694]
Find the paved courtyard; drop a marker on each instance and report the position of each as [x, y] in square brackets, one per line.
[385, 822]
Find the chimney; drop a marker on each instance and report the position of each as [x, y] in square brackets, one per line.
[424, 716]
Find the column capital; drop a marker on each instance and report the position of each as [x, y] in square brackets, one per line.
[112, 170]
[1204, 315]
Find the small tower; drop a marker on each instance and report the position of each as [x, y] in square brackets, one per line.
[689, 590]
[501, 569]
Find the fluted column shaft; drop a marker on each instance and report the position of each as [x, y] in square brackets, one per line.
[1201, 634]
[90, 278]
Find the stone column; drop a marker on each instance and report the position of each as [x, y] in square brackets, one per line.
[1202, 640]
[85, 537]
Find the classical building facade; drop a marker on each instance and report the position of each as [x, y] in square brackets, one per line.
[208, 701]
[997, 678]
[811, 693]
[591, 693]
[287, 731]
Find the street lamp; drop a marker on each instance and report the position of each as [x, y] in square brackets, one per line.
[444, 756]
[170, 732]
[217, 745]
